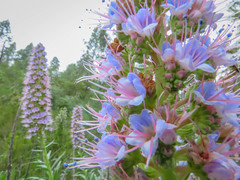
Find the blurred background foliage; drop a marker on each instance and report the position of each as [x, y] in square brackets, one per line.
[66, 94]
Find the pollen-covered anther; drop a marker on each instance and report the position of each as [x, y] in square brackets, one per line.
[148, 83]
[115, 46]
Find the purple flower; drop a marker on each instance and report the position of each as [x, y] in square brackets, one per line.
[226, 105]
[34, 99]
[40, 73]
[38, 86]
[38, 94]
[34, 129]
[36, 109]
[144, 132]
[115, 15]
[219, 57]
[131, 90]
[194, 10]
[166, 132]
[190, 57]
[217, 49]
[142, 23]
[221, 168]
[111, 66]
[109, 150]
[178, 7]
[108, 114]
[41, 102]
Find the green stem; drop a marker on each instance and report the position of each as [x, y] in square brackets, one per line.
[45, 158]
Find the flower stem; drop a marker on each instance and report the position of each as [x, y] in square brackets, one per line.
[45, 157]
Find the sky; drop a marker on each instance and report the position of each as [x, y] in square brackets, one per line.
[54, 23]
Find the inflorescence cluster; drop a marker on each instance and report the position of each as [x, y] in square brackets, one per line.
[166, 111]
[36, 100]
[76, 125]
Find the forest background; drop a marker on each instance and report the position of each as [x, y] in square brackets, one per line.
[66, 94]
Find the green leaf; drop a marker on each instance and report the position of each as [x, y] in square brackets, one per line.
[181, 155]
[149, 171]
[43, 167]
[49, 154]
[58, 166]
[58, 159]
[37, 178]
[38, 161]
[50, 144]
[56, 175]
[3, 177]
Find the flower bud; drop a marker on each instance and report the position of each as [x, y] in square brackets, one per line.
[211, 109]
[170, 65]
[139, 40]
[168, 76]
[168, 136]
[181, 74]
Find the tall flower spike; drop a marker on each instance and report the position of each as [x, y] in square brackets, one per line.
[36, 99]
[77, 126]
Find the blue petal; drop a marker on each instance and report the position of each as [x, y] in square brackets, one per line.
[141, 15]
[140, 122]
[121, 154]
[113, 5]
[146, 147]
[206, 67]
[139, 87]
[113, 61]
[136, 101]
[166, 45]
[134, 141]
[160, 127]
[149, 30]
[208, 89]
[132, 76]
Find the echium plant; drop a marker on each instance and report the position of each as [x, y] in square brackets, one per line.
[165, 113]
[36, 100]
[77, 138]
[36, 106]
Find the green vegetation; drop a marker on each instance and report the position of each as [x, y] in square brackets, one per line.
[27, 155]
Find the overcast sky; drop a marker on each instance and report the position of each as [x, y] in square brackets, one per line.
[55, 23]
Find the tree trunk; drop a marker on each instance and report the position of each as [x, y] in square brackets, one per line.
[11, 143]
[1, 56]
